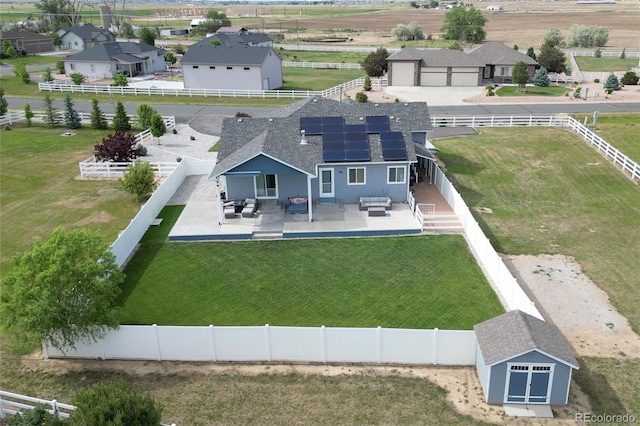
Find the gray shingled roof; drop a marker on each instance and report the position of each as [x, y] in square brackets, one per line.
[437, 58]
[233, 54]
[232, 38]
[106, 52]
[278, 134]
[87, 32]
[516, 333]
[496, 53]
[23, 34]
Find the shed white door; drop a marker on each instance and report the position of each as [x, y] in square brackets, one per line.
[402, 73]
[528, 383]
[464, 77]
[433, 77]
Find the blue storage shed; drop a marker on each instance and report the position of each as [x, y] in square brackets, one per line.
[521, 359]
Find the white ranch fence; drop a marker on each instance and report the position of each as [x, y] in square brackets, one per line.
[13, 403]
[629, 167]
[326, 48]
[576, 74]
[216, 93]
[85, 117]
[281, 344]
[606, 53]
[322, 65]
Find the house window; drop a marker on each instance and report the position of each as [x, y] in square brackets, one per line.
[505, 71]
[212, 68]
[195, 67]
[229, 68]
[396, 175]
[247, 68]
[357, 176]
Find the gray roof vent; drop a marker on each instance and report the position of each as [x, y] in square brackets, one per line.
[303, 140]
[271, 120]
[377, 105]
[239, 120]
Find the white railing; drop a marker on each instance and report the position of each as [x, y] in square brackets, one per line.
[85, 117]
[620, 160]
[322, 65]
[13, 403]
[602, 76]
[218, 93]
[606, 53]
[280, 344]
[575, 69]
[337, 48]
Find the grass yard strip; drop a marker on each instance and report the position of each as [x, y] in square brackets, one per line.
[605, 64]
[316, 79]
[395, 282]
[34, 60]
[532, 91]
[621, 130]
[312, 56]
[40, 189]
[551, 193]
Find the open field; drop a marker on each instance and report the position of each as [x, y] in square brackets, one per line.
[433, 281]
[38, 170]
[550, 193]
[605, 64]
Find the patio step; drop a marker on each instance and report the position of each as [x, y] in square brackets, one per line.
[447, 222]
[266, 235]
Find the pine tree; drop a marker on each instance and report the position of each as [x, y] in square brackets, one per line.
[367, 84]
[98, 120]
[28, 114]
[120, 119]
[532, 53]
[541, 78]
[47, 77]
[51, 114]
[71, 116]
[612, 82]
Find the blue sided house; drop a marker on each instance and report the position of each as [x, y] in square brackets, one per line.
[323, 151]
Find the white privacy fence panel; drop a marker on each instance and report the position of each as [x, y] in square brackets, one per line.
[280, 344]
[620, 160]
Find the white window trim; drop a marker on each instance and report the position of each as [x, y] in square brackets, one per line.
[530, 370]
[364, 177]
[404, 175]
[333, 183]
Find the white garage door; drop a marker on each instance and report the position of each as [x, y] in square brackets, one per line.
[402, 73]
[434, 77]
[464, 77]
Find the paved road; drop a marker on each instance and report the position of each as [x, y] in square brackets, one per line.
[208, 118]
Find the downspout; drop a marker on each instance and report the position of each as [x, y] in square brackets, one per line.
[310, 200]
[220, 209]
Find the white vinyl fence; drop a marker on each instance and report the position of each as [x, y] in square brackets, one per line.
[85, 117]
[322, 65]
[620, 160]
[217, 93]
[606, 53]
[13, 403]
[281, 344]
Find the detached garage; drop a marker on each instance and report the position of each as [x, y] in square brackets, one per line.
[434, 68]
[523, 361]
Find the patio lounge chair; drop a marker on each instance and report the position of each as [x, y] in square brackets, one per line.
[250, 207]
[229, 209]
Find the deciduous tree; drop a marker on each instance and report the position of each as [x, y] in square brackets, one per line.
[4, 105]
[170, 58]
[119, 147]
[375, 64]
[120, 80]
[520, 74]
[554, 38]
[157, 126]
[64, 290]
[145, 113]
[139, 180]
[20, 70]
[147, 35]
[126, 30]
[61, 13]
[587, 36]
[464, 24]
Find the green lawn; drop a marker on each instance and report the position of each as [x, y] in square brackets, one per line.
[531, 91]
[619, 129]
[433, 281]
[605, 64]
[312, 56]
[39, 189]
[316, 79]
[33, 60]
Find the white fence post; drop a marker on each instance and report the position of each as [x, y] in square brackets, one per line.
[212, 341]
[323, 343]
[267, 341]
[379, 345]
[435, 346]
[155, 332]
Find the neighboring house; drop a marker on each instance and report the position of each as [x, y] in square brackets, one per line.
[109, 59]
[523, 360]
[492, 61]
[27, 41]
[84, 36]
[323, 151]
[499, 61]
[236, 62]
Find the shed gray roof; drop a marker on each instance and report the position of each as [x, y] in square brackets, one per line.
[278, 135]
[232, 54]
[515, 333]
[437, 58]
[496, 53]
[106, 52]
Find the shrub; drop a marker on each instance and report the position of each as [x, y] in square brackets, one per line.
[576, 92]
[77, 78]
[21, 71]
[145, 113]
[367, 84]
[490, 90]
[587, 35]
[596, 80]
[612, 82]
[4, 104]
[37, 416]
[375, 64]
[47, 77]
[630, 78]
[120, 80]
[361, 97]
[179, 49]
[139, 180]
[60, 67]
[118, 147]
[597, 53]
[175, 131]
[541, 78]
[142, 150]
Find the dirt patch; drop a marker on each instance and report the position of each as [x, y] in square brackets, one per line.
[569, 299]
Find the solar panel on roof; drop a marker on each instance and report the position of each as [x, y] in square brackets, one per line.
[377, 127]
[312, 129]
[394, 154]
[332, 128]
[357, 155]
[377, 119]
[333, 146]
[332, 137]
[355, 128]
[332, 120]
[391, 135]
[333, 156]
[356, 136]
[357, 145]
[310, 120]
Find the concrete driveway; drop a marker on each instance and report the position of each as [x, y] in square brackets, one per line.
[434, 95]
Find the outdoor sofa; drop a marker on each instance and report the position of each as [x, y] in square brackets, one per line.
[250, 207]
[365, 202]
[298, 204]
